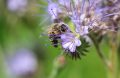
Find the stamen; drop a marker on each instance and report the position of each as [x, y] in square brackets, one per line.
[82, 7]
[107, 15]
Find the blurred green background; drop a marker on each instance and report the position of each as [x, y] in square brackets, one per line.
[21, 30]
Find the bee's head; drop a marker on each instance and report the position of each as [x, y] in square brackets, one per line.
[57, 20]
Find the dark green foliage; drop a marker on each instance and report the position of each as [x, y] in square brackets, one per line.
[84, 47]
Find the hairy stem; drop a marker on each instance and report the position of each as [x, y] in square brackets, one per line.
[53, 73]
[57, 64]
[99, 52]
[113, 55]
[3, 72]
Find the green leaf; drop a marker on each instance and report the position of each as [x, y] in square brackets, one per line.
[84, 47]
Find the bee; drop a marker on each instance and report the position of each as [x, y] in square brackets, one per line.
[54, 32]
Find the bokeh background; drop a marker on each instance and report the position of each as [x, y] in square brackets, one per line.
[25, 51]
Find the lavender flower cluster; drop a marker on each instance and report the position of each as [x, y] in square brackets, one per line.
[86, 15]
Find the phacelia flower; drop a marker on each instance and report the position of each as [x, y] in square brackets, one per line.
[65, 3]
[86, 16]
[70, 42]
[22, 63]
[53, 10]
[17, 5]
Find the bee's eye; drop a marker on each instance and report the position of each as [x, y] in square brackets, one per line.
[63, 25]
[52, 33]
[63, 28]
[57, 20]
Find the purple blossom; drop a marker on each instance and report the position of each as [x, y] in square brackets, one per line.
[70, 42]
[65, 3]
[17, 5]
[86, 15]
[22, 63]
[53, 10]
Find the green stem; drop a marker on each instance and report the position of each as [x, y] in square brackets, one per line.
[103, 58]
[57, 64]
[3, 73]
[118, 55]
[113, 57]
[99, 52]
[53, 73]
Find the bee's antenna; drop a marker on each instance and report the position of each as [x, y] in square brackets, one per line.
[53, 12]
[56, 20]
[82, 6]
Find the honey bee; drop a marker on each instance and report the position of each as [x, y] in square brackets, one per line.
[54, 32]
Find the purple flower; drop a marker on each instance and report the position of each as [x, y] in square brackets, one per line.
[65, 3]
[53, 10]
[86, 15]
[17, 5]
[22, 63]
[70, 42]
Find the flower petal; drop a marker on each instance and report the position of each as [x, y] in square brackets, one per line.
[72, 47]
[53, 10]
[77, 42]
[84, 30]
[66, 45]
